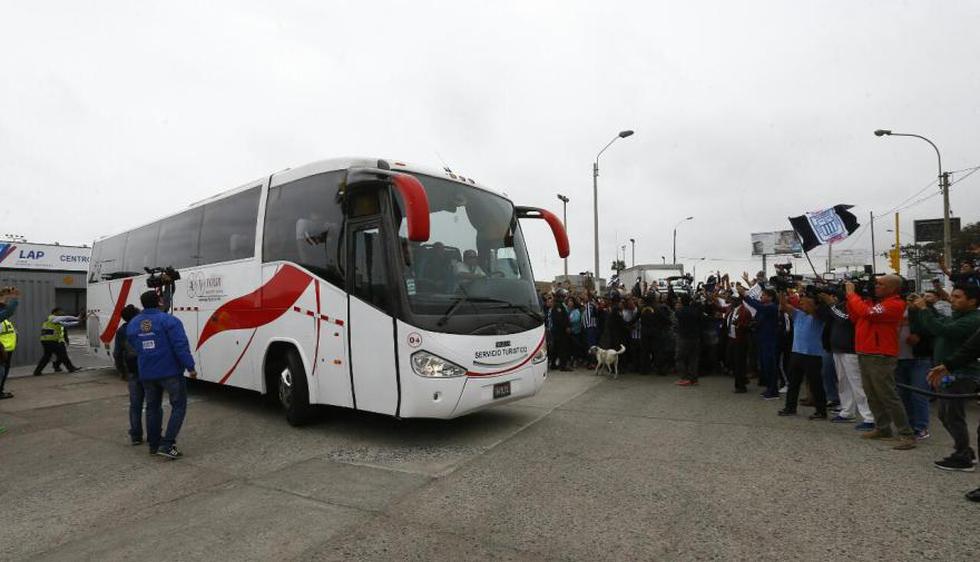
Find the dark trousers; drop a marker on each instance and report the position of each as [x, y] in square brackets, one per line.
[953, 415]
[136, 397]
[737, 362]
[688, 354]
[768, 367]
[5, 369]
[806, 367]
[53, 348]
[176, 389]
[640, 358]
[663, 354]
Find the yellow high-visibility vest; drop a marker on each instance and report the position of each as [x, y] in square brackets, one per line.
[52, 331]
[8, 335]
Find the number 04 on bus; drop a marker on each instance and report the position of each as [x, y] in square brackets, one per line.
[365, 284]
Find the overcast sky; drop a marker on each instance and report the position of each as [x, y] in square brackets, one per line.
[112, 114]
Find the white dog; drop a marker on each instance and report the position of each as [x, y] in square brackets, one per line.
[608, 358]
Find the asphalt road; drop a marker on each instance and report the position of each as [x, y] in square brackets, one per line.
[590, 469]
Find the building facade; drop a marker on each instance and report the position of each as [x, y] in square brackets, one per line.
[49, 276]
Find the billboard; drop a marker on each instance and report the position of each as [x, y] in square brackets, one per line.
[931, 230]
[776, 243]
[18, 255]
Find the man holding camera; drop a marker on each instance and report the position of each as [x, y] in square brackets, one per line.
[163, 354]
[876, 326]
[949, 335]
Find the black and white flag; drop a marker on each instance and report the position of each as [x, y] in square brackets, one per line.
[824, 227]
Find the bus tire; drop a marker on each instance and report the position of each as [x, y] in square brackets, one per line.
[292, 389]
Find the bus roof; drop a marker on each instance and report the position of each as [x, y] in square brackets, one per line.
[320, 166]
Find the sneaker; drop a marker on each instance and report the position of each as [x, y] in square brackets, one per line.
[782, 390]
[74, 370]
[5, 395]
[134, 441]
[685, 382]
[877, 434]
[818, 416]
[905, 443]
[955, 464]
[767, 396]
[841, 419]
[864, 426]
[922, 435]
[973, 496]
[784, 412]
[170, 452]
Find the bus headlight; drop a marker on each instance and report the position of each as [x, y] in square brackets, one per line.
[541, 354]
[426, 364]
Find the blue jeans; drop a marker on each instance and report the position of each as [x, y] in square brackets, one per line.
[913, 373]
[829, 373]
[176, 390]
[136, 397]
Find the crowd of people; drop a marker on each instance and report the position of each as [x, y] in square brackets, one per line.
[872, 356]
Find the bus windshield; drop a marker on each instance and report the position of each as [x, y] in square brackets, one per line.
[474, 263]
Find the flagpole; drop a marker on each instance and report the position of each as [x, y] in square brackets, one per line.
[874, 256]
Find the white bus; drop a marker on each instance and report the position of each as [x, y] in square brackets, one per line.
[365, 284]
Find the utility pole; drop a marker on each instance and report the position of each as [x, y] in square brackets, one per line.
[830, 257]
[947, 233]
[633, 243]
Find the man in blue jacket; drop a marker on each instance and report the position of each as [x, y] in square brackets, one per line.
[163, 354]
[768, 324]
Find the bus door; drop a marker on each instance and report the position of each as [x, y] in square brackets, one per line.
[370, 321]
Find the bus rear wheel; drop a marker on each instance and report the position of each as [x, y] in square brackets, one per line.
[292, 390]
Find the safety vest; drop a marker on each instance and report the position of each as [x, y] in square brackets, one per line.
[8, 336]
[52, 331]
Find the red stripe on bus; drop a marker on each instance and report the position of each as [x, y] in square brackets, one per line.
[514, 368]
[110, 330]
[261, 306]
[237, 361]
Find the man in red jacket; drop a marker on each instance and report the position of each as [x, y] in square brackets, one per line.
[876, 325]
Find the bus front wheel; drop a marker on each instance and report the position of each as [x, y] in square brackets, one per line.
[294, 394]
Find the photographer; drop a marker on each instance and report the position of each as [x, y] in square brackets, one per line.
[807, 359]
[950, 334]
[9, 300]
[852, 397]
[876, 325]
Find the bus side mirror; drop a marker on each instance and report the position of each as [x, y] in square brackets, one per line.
[416, 206]
[557, 228]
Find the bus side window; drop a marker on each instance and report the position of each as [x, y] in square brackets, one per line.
[370, 280]
[304, 225]
[223, 220]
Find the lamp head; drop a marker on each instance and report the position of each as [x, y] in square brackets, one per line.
[689, 218]
[624, 134]
[562, 198]
[882, 132]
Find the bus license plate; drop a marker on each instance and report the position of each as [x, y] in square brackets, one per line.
[501, 389]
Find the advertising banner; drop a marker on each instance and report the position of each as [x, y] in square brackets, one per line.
[17, 255]
[776, 243]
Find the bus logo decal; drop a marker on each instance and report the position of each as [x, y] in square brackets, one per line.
[414, 340]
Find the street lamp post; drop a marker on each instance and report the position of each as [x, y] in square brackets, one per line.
[633, 251]
[943, 187]
[675, 236]
[595, 198]
[564, 223]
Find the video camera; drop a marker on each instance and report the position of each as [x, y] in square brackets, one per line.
[161, 276]
[783, 280]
